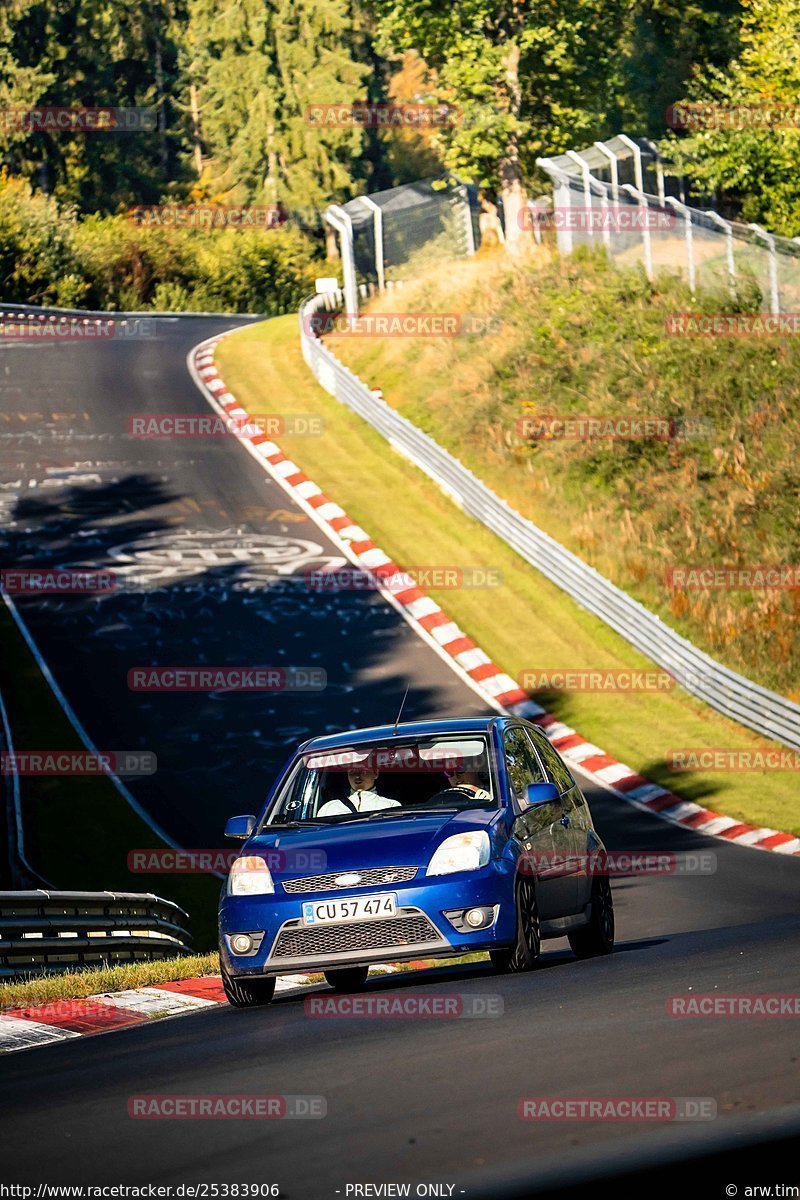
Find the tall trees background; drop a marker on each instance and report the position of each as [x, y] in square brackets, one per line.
[232, 80]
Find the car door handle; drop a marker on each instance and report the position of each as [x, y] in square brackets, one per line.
[565, 822]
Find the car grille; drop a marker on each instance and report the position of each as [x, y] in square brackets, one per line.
[372, 877]
[300, 942]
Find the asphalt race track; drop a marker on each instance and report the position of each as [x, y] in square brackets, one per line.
[213, 559]
[429, 1101]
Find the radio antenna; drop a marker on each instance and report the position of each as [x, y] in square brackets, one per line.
[400, 711]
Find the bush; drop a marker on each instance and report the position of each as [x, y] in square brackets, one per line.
[37, 248]
[47, 256]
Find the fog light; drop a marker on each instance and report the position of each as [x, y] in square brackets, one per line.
[475, 917]
[241, 943]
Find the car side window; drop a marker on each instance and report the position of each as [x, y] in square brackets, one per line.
[555, 766]
[522, 764]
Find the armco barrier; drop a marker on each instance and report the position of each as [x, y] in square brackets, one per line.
[736, 697]
[45, 932]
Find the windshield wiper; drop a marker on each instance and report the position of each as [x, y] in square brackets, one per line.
[410, 812]
[291, 825]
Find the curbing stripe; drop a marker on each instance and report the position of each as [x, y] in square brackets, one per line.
[63, 1020]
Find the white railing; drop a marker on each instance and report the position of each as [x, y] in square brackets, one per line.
[593, 205]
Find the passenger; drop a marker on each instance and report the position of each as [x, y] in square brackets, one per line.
[362, 798]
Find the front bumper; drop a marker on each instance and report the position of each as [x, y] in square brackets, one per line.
[420, 927]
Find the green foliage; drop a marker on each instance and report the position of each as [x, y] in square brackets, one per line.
[74, 53]
[260, 65]
[526, 78]
[755, 164]
[49, 257]
[37, 248]
[664, 42]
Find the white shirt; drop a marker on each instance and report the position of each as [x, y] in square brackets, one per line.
[366, 801]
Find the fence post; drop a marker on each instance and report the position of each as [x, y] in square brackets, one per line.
[726, 225]
[377, 228]
[587, 187]
[606, 231]
[687, 220]
[612, 164]
[339, 219]
[561, 191]
[639, 176]
[653, 148]
[769, 238]
[648, 253]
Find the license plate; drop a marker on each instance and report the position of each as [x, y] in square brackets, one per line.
[352, 908]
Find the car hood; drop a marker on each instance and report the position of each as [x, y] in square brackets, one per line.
[354, 845]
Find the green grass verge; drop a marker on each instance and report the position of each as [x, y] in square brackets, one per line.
[79, 831]
[77, 985]
[525, 623]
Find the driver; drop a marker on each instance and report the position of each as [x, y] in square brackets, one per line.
[467, 781]
[362, 798]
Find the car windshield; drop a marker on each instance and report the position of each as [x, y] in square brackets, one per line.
[379, 781]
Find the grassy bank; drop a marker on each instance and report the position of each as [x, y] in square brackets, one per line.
[526, 622]
[578, 338]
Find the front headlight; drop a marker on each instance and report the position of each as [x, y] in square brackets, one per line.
[250, 876]
[461, 852]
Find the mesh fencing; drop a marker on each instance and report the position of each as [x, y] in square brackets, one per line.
[617, 194]
[415, 224]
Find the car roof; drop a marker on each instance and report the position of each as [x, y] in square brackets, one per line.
[354, 737]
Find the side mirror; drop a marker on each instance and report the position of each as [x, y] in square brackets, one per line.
[240, 827]
[541, 793]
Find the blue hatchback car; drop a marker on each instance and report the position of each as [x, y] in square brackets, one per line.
[427, 839]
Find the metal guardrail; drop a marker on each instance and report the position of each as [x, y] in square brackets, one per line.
[45, 932]
[735, 696]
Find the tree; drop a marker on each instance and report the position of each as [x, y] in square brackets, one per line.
[259, 67]
[749, 143]
[92, 53]
[664, 42]
[526, 77]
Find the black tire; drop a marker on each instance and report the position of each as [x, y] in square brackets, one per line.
[247, 993]
[524, 954]
[597, 937]
[348, 979]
